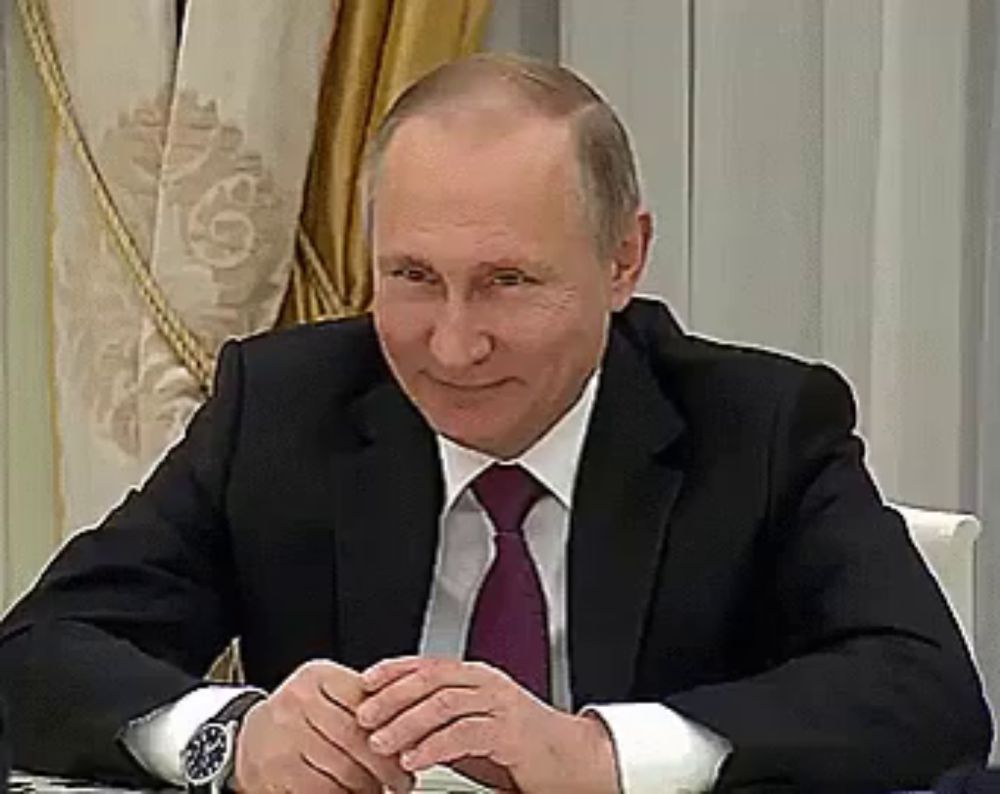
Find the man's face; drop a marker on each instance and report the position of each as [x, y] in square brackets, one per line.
[491, 304]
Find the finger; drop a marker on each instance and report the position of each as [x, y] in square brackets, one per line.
[340, 685]
[389, 670]
[339, 697]
[441, 708]
[424, 679]
[341, 771]
[471, 737]
[336, 726]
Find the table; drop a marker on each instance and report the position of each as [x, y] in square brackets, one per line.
[438, 780]
[435, 781]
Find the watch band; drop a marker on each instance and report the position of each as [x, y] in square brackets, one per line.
[236, 709]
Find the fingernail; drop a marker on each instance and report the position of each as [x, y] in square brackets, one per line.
[365, 716]
[377, 741]
[406, 760]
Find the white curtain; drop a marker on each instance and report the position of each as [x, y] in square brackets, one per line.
[988, 426]
[203, 145]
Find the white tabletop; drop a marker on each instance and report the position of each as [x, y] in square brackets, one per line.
[438, 780]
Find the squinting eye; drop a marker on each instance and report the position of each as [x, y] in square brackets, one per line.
[509, 278]
[415, 274]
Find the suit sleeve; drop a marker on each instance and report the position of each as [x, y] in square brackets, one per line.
[129, 615]
[871, 684]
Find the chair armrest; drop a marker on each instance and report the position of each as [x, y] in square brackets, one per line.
[947, 542]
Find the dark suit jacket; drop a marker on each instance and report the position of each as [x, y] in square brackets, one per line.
[4, 750]
[728, 556]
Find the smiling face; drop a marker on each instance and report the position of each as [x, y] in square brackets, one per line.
[491, 303]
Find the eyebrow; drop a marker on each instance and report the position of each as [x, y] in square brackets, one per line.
[396, 260]
[505, 262]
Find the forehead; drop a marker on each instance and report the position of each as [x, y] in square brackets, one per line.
[476, 168]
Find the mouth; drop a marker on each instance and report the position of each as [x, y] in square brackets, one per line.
[466, 388]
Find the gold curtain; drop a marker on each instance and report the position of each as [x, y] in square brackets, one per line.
[379, 48]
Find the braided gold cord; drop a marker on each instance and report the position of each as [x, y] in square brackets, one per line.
[331, 304]
[181, 340]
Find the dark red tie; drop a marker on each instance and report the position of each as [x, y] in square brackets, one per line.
[509, 627]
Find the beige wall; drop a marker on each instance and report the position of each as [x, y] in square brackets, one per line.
[26, 470]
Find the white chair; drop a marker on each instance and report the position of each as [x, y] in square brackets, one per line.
[947, 543]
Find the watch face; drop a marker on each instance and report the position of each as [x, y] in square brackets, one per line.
[206, 754]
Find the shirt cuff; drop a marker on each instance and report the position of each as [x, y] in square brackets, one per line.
[660, 752]
[158, 738]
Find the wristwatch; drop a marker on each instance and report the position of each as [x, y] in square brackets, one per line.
[209, 755]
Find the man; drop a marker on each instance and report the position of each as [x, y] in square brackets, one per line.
[516, 521]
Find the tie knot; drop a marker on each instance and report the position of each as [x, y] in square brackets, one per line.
[507, 493]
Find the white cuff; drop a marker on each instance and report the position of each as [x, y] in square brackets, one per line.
[660, 752]
[157, 739]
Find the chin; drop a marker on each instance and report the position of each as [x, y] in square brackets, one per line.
[474, 439]
[486, 426]
[471, 437]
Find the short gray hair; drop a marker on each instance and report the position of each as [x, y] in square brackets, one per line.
[609, 186]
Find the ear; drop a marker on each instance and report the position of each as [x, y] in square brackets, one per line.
[630, 259]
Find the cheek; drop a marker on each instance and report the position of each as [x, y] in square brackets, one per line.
[553, 332]
[402, 330]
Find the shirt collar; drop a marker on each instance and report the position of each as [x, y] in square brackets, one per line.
[553, 459]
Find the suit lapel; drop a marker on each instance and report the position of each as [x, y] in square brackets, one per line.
[624, 493]
[386, 530]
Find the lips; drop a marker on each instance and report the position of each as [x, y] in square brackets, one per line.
[467, 387]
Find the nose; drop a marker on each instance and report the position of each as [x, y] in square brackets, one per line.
[458, 340]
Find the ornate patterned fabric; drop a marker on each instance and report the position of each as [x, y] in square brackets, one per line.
[203, 145]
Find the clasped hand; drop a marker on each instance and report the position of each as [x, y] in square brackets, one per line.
[330, 729]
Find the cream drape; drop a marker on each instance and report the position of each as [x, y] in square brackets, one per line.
[201, 148]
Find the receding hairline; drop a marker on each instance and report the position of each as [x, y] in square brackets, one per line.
[551, 90]
[513, 84]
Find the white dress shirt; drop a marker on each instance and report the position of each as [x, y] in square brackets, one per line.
[657, 750]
